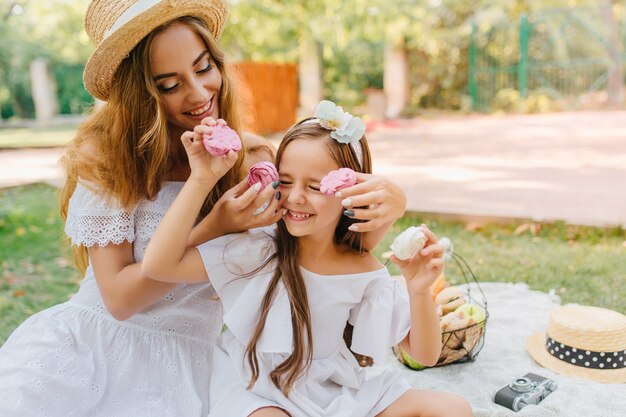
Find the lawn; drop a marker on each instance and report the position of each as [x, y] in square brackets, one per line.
[581, 264]
[36, 137]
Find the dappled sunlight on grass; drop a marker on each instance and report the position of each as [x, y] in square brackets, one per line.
[583, 265]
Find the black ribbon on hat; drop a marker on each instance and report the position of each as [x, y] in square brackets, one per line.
[586, 358]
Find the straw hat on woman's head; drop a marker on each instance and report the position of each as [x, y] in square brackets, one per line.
[584, 342]
[117, 26]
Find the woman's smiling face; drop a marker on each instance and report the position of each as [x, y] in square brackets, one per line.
[303, 164]
[186, 76]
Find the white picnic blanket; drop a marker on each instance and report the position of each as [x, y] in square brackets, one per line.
[515, 312]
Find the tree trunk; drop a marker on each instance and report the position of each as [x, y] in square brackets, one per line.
[615, 76]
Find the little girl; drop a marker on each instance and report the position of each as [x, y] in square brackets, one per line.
[287, 297]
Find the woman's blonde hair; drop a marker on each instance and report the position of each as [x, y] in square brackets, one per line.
[288, 269]
[125, 150]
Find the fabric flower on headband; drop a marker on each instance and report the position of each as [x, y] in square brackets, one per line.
[345, 127]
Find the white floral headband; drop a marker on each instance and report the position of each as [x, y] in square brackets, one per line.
[345, 128]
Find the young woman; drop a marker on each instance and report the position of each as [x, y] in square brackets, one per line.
[287, 297]
[126, 344]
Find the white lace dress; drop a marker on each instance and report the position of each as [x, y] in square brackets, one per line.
[335, 385]
[74, 359]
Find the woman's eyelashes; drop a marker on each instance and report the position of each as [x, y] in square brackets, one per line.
[208, 67]
[168, 89]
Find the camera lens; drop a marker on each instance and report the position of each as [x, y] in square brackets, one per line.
[521, 385]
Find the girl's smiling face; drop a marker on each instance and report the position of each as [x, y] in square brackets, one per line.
[186, 76]
[303, 164]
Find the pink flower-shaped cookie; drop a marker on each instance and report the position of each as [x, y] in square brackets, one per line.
[263, 172]
[222, 140]
[336, 180]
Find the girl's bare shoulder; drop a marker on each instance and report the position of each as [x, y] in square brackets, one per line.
[355, 263]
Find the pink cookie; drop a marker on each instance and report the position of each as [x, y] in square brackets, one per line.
[263, 172]
[336, 180]
[222, 140]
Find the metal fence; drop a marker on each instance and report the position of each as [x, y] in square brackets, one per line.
[563, 57]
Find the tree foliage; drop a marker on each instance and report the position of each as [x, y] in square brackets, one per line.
[49, 29]
[353, 35]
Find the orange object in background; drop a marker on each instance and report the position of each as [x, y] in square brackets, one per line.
[268, 94]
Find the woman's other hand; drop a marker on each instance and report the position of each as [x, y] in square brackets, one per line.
[383, 202]
[238, 210]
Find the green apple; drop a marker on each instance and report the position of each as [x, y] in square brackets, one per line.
[409, 361]
[472, 311]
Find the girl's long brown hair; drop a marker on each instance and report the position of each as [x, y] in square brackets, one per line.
[125, 148]
[288, 269]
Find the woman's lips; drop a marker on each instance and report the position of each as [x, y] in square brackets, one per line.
[202, 112]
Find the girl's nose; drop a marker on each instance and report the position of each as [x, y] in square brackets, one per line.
[295, 196]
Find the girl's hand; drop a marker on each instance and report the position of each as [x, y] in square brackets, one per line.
[205, 168]
[424, 267]
[385, 202]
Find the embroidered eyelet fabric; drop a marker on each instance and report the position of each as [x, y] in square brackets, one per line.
[334, 384]
[75, 359]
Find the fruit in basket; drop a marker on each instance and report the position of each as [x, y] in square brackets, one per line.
[454, 321]
[453, 339]
[449, 355]
[472, 336]
[472, 311]
[407, 360]
[449, 299]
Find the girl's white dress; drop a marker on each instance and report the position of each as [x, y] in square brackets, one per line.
[75, 359]
[335, 385]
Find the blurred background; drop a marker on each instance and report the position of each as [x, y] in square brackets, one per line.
[383, 58]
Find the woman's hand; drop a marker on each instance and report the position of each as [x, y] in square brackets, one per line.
[206, 168]
[235, 212]
[384, 200]
[424, 267]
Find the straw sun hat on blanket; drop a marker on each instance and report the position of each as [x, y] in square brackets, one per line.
[116, 26]
[584, 342]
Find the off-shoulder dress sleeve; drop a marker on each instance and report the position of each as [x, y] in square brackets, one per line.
[233, 264]
[93, 218]
[381, 320]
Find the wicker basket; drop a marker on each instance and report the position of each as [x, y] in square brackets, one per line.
[461, 345]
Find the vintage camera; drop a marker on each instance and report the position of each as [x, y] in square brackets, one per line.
[529, 389]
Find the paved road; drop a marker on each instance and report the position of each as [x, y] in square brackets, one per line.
[567, 166]
[24, 166]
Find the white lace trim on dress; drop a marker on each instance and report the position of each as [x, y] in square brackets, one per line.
[92, 219]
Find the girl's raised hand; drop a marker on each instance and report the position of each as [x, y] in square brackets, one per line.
[424, 267]
[204, 166]
[384, 200]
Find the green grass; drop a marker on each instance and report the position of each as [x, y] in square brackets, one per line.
[37, 270]
[36, 137]
[582, 264]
